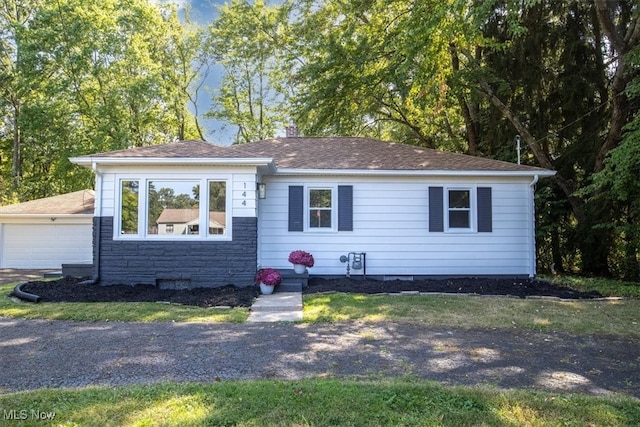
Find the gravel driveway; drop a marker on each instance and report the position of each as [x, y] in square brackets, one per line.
[37, 353]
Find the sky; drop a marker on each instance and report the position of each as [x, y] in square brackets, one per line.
[203, 12]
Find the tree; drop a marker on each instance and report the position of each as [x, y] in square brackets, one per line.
[380, 68]
[245, 39]
[80, 77]
[14, 17]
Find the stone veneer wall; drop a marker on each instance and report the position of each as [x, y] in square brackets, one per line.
[177, 264]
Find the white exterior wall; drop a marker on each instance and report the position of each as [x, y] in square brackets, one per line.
[390, 224]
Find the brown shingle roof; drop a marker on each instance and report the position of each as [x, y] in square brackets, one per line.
[179, 149]
[367, 154]
[76, 203]
[327, 153]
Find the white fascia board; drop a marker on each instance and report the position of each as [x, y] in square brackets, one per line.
[215, 161]
[373, 172]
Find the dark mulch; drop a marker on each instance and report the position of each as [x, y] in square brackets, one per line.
[70, 289]
[521, 288]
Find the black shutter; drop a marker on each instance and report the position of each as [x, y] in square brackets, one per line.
[296, 208]
[485, 222]
[345, 208]
[436, 209]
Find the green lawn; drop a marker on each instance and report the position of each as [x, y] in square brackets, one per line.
[116, 311]
[327, 402]
[620, 317]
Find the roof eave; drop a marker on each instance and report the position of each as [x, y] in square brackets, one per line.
[418, 172]
[89, 161]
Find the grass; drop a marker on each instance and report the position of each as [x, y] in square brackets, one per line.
[607, 287]
[620, 317]
[395, 402]
[116, 311]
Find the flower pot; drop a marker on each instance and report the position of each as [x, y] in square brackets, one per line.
[266, 289]
[299, 268]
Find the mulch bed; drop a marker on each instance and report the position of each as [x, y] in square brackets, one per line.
[70, 289]
[520, 288]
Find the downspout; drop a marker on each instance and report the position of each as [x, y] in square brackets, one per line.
[97, 215]
[532, 227]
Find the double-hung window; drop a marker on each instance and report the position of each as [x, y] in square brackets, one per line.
[320, 208]
[159, 208]
[459, 209]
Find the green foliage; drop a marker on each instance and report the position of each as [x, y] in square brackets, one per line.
[618, 183]
[81, 77]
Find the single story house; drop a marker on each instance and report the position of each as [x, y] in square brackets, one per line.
[47, 233]
[413, 211]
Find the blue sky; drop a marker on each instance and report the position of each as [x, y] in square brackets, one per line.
[203, 12]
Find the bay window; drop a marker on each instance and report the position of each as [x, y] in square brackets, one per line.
[173, 209]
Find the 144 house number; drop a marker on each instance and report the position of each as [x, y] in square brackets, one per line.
[23, 414]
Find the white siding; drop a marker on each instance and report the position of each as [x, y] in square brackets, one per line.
[390, 224]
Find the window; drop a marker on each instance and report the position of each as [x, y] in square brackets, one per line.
[217, 207]
[323, 209]
[129, 201]
[320, 208]
[459, 209]
[173, 208]
[173, 202]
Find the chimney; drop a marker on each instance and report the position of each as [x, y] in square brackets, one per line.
[292, 131]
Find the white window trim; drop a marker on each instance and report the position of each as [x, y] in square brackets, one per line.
[143, 209]
[334, 208]
[473, 209]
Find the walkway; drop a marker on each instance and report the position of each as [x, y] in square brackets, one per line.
[277, 307]
[44, 353]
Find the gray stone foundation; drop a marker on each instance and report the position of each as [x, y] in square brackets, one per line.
[176, 264]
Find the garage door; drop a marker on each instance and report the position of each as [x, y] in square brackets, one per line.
[45, 245]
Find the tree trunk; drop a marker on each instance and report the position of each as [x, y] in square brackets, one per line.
[16, 166]
[469, 123]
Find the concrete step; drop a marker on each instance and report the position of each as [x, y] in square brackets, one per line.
[290, 276]
[289, 285]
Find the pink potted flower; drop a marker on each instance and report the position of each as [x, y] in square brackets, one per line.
[268, 278]
[301, 260]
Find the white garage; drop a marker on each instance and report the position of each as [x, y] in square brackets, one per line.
[47, 233]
